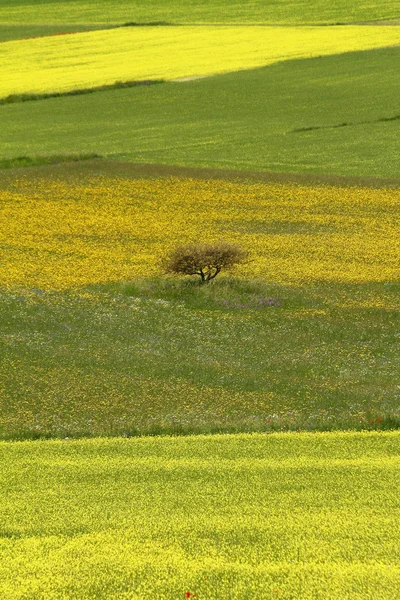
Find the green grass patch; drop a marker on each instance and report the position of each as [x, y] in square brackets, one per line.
[195, 11]
[225, 293]
[173, 357]
[31, 161]
[286, 515]
[241, 120]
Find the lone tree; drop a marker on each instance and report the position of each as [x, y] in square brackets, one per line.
[205, 260]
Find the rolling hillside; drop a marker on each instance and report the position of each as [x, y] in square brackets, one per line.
[262, 405]
[84, 60]
[337, 115]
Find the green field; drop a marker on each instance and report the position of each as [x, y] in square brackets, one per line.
[246, 120]
[311, 516]
[195, 11]
[168, 358]
[13, 32]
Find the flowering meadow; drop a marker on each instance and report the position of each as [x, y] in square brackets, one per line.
[59, 235]
[310, 516]
[99, 342]
[78, 61]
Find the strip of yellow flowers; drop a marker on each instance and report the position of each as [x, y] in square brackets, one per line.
[82, 60]
[59, 235]
[202, 517]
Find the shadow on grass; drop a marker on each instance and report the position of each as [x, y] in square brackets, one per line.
[118, 85]
[218, 294]
[235, 294]
[279, 425]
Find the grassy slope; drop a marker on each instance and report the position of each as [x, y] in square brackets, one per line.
[174, 360]
[80, 60]
[240, 120]
[195, 11]
[291, 516]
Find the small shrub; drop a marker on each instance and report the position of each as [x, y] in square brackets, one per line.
[204, 260]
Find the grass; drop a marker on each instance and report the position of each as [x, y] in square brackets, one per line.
[306, 340]
[160, 357]
[61, 234]
[54, 64]
[280, 516]
[240, 120]
[108, 167]
[315, 127]
[22, 31]
[197, 11]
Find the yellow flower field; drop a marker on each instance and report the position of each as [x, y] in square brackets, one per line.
[294, 516]
[59, 235]
[95, 58]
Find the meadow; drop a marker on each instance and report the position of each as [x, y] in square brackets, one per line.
[304, 337]
[311, 516]
[60, 234]
[245, 120]
[77, 61]
[41, 12]
[153, 358]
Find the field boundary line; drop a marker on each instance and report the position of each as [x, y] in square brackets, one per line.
[111, 166]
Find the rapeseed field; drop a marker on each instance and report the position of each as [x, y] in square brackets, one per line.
[85, 60]
[249, 516]
[60, 235]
